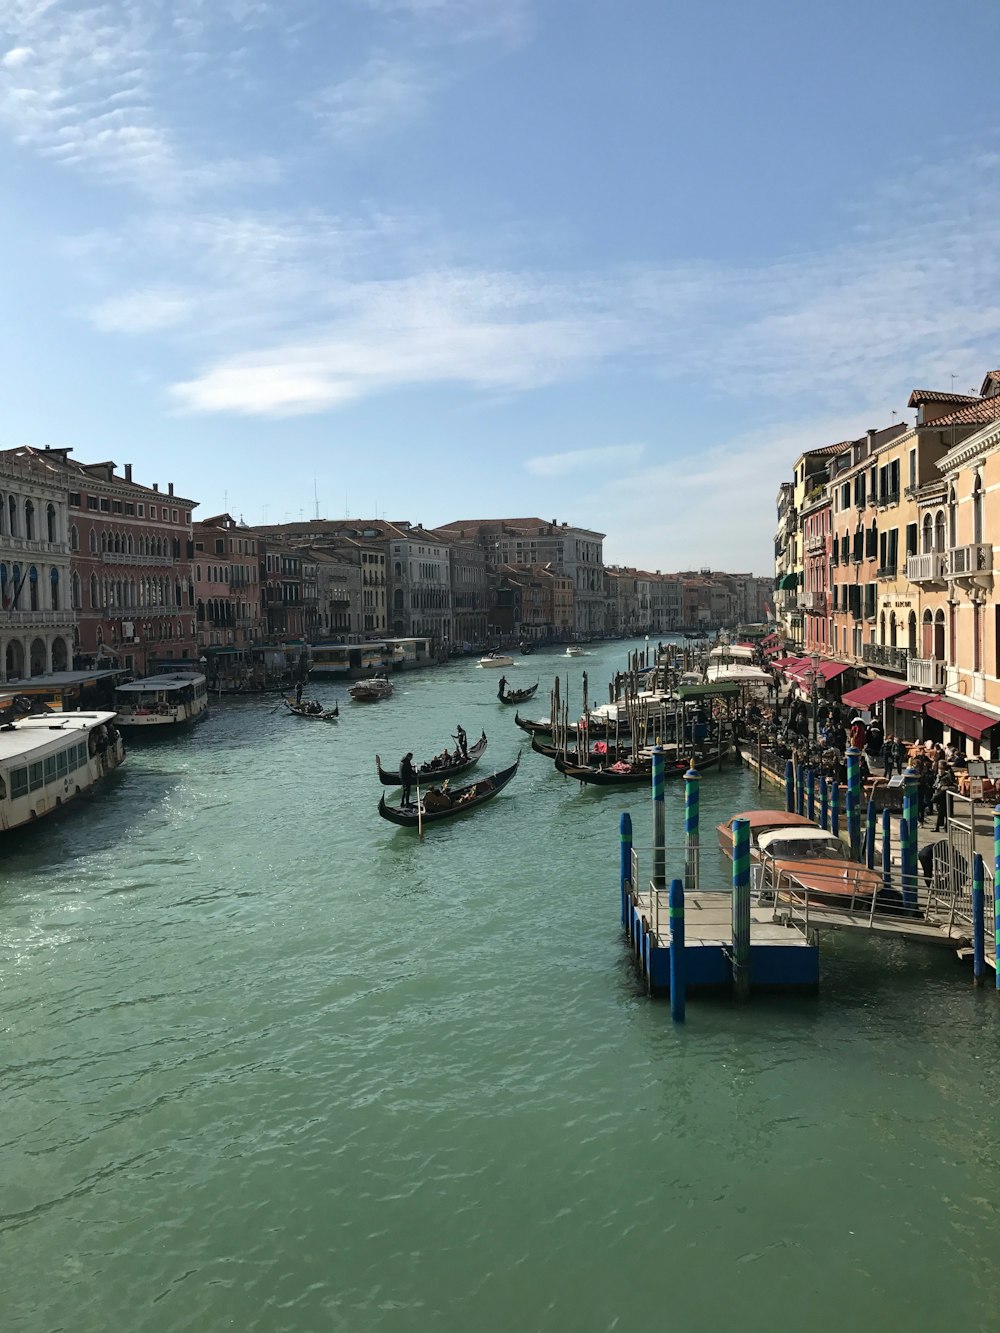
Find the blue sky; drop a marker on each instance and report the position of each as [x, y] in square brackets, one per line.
[608, 261]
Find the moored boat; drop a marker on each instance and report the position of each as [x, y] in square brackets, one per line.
[760, 821]
[810, 860]
[371, 690]
[48, 759]
[438, 804]
[162, 703]
[437, 769]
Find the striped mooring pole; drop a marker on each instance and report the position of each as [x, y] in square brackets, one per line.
[854, 801]
[659, 822]
[978, 920]
[789, 787]
[886, 852]
[909, 862]
[677, 980]
[741, 909]
[911, 807]
[835, 807]
[625, 839]
[692, 780]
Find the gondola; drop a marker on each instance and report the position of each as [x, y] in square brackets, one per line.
[638, 774]
[437, 773]
[518, 696]
[314, 714]
[554, 751]
[533, 728]
[597, 728]
[460, 800]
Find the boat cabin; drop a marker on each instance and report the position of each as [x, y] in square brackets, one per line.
[50, 758]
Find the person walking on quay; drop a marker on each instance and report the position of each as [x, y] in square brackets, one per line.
[407, 776]
[943, 784]
[503, 686]
[858, 733]
[462, 740]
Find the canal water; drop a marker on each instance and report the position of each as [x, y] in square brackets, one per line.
[270, 1063]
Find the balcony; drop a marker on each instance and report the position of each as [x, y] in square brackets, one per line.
[926, 673]
[885, 656]
[886, 572]
[887, 499]
[815, 544]
[970, 562]
[931, 567]
[31, 545]
[52, 619]
[128, 558]
[814, 601]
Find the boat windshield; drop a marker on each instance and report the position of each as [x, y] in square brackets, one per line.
[807, 849]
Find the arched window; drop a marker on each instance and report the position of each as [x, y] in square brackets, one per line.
[75, 592]
[50, 523]
[928, 535]
[74, 538]
[4, 587]
[95, 600]
[29, 520]
[952, 517]
[939, 651]
[12, 511]
[881, 628]
[54, 587]
[977, 510]
[93, 542]
[33, 588]
[939, 531]
[911, 634]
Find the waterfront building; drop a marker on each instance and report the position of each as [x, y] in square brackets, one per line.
[786, 592]
[420, 581]
[226, 586]
[577, 552]
[473, 586]
[817, 545]
[629, 601]
[130, 561]
[665, 602]
[281, 591]
[36, 588]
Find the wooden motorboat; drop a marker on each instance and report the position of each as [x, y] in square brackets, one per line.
[370, 690]
[433, 770]
[797, 861]
[496, 660]
[436, 804]
[761, 821]
[313, 710]
[518, 696]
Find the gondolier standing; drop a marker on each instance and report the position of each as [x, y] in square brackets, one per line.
[407, 776]
[503, 686]
[462, 740]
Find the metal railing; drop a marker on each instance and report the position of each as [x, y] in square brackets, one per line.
[884, 655]
[678, 863]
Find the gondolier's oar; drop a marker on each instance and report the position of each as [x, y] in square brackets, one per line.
[420, 815]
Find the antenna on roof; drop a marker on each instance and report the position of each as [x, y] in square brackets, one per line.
[315, 498]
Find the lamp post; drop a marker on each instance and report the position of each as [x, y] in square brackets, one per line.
[812, 691]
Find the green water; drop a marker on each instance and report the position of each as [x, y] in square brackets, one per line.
[270, 1063]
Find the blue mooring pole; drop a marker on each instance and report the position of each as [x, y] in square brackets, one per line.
[978, 920]
[886, 853]
[870, 836]
[789, 787]
[910, 808]
[800, 791]
[824, 803]
[741, 909]
[835, 807]
[810, 794]
[996, 892]
[909, 867]
[692, 780]
[659, 822]
[677, 981]
[854, 801]
[625, 839]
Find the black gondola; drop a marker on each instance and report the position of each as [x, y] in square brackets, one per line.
[519, 696]
[555, 751]
[314, 711]
[639, 773]
[459, 800]
[430, 772]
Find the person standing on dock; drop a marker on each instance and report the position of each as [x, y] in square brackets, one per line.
[407, 777]
[943, 784]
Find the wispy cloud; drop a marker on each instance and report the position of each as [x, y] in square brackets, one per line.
[17, 56]
[384, 95]
[625, 456]
[144, 311]
[509, 21]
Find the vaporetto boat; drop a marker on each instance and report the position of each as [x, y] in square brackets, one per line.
[160, 702]
[49, 759]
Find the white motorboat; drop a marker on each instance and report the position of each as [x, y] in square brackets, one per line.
[574, 650]
[370, 690]
[48, 759]
[161, 702]
[496, 660]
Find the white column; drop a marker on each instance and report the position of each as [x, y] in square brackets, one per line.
[48, 654]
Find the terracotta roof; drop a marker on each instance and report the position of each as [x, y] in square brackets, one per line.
[979, 412]
[829, 450]
[919, 396]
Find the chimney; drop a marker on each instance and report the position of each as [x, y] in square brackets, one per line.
[170, 488]
[156, 485]
[871, 433]
[128, 471]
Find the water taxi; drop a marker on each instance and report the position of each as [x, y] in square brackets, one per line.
[159, 702]
[48, 759]
[574, 650]
[496, 660]
[371, 690]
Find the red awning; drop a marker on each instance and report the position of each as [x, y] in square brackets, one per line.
[874, 692]
[782, 662]
[913, 700]
[828, 670]
[967, 721]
